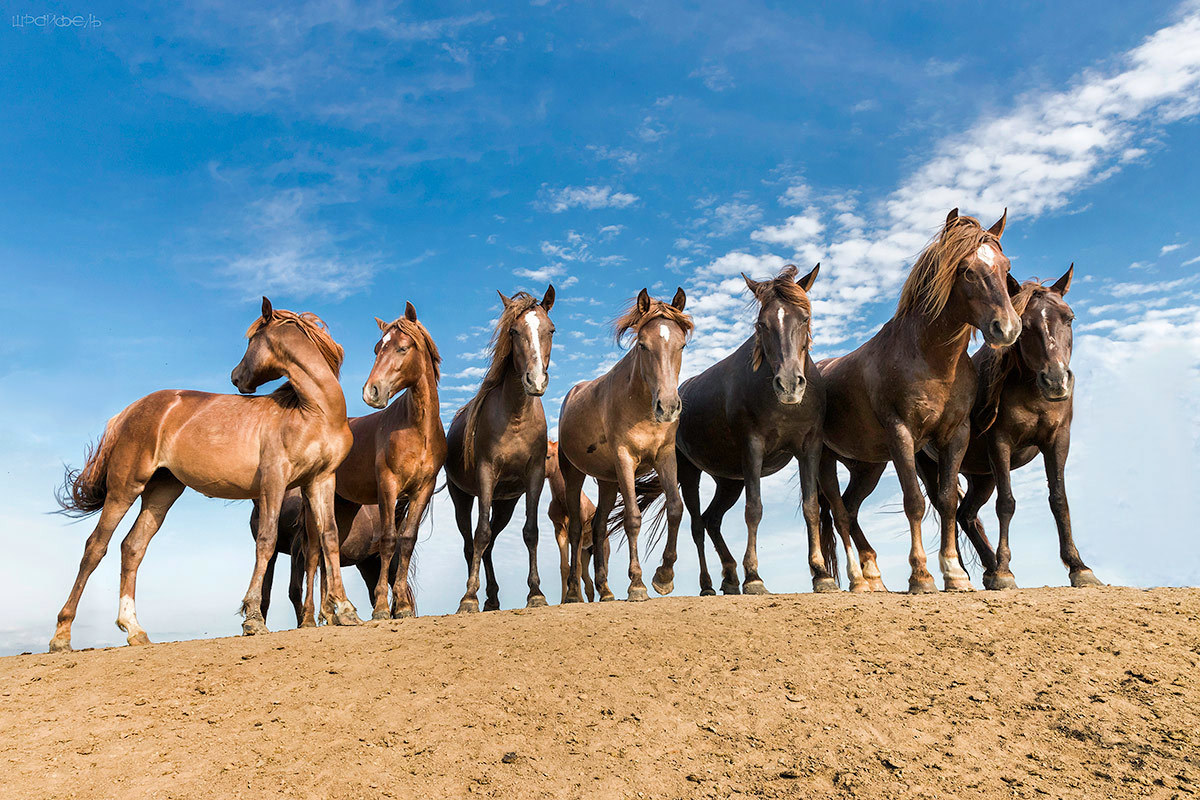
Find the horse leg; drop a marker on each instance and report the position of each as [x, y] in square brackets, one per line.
[1000, 456]
[462, 517]
[564, 552]
[268, 585]
[606, 498]
[950, 456]
[668, 476]
[809, 461]
[533, 495]
[502, 511]
[483, 537]
[727, 493]
[319, 515]
[401, 590]
[369, 570]
[626, 484]
[157, 498]
[864, 477]
[831, 491]
[900, 443]
[689, 489]
[269, 503]
[752, 479]
[979, 489]
[388, 491]
[573, 478]
[1055, 457]
[299, 562]
[585, 555]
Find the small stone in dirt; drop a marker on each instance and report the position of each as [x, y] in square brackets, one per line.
[694, 778]
[789, 773]
[891, 762]
[509, 758]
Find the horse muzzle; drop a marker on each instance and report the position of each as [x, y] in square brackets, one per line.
[1002, 332]
[789, 391]
[668, 410]
[374, 396]
[535, 385]
[1056, 383]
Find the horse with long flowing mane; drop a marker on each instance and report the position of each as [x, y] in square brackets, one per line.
[1023, 407]
[228, 446]
[497, 444]
[622, 425]
[912, 386]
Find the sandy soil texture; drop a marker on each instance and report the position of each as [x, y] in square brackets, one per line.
[1045, 692]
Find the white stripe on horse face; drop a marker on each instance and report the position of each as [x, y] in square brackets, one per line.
[986, 254]
[781, 318]
[665, 332]
[534, 323]
[387, 337]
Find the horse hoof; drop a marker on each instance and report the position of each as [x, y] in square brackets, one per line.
[664, 581]
[572, 598]
[999, 582]
[403, 613]
[60, 645]
[345, 615]
[607, 597]
[825, 585]
[138, 638]
[959, 585]
[308, 622]
[252, 626]
[536, 601]
[708, 591]
[921, 585]
[637, 594]
[876, 585]
[380, 614]
[469, 605]
[755, 587]
[1084, 578]
[491, 605]
[859, 585]
[730, 588]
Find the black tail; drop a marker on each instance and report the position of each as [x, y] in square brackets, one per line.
[648, 489]
[83, 490]
[829, 542]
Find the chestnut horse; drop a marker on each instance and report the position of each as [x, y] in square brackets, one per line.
[226, 446]
[741, 422]
[557, 512]
[497, 443]
[620, 426]
[1023, 407]
[911, 386]
[397, 452]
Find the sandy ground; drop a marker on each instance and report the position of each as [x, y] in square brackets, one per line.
[1045, 692]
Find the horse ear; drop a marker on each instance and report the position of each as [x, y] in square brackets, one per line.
[267, 311]
[751, 284]
[953, 215]
[808, 280]
[548, 298]
[410, 312]
[380, 323]
[680, 299]
[506, 300]
[998, 229]
[1014, 287]
[1064, 283]
[643, 301]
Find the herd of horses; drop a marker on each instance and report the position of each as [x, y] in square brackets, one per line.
[330, 491]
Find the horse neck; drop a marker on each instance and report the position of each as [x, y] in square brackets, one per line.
[628, 378]
[316, 386]
[422, 400]
[940, 341]
[512, 393]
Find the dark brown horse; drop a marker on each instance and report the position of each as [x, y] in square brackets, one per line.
[748, 416]
[557, 512]
[621, 426]
[498, 443]
[1023, 407]
[912, 386]
[226, 446]
[397, 452]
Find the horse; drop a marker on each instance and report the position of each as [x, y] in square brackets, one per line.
[741, 422]
[1023, 407]
[359, 548]
[497, 443]
[911, 386]
[557, 512]
[228, 446]
[620, 426]
[397, 453]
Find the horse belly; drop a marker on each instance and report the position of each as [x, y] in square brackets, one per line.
[214, 457]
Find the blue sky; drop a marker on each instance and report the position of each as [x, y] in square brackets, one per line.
[162, 170]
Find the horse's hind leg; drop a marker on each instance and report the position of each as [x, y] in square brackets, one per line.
[268, 585]
[821, 565]
[606, 498]
[116, 504]
[727, 493]
[689, 489]
[864, 477]
[157, 498]
[626, 483]
[573, 480]
[296, 578]
[370, 569]
[831, 493]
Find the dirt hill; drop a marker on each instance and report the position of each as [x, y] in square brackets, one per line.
[1050, 692]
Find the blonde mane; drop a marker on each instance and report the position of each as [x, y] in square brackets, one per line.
[931, 280]
[782, 287]
[501, 346]
[1000, 362]
[420, 336]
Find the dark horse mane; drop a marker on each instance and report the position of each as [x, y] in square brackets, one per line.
[317, 332]
[928, 287]
[420, 336]
[998, 363]
[632, 319]
[501, 346]
[782, 287]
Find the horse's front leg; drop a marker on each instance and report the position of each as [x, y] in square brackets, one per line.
[903, 452]
[752, 458]
[668, 476]
[536, 479]
[627, 486]
[819, 562]
[573, 507]
[483, 537]
[319, 507]
[950, 456]
[1055, 457]
[269, 503]
[606, 498]
[404, 604]
[1000, 456]
[388, 490]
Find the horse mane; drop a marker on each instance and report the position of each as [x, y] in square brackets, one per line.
[501, 348]
[317, 332]
[632, 319]
[782, 287]
[998, 363]
[931, 280]
[420, 336]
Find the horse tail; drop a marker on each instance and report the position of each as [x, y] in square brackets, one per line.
[648, 490]
[83, 491]
[829, 542]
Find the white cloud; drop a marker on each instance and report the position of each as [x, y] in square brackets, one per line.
[800, 233]
[729, 218]
[1171, 248]
[590, 197]
[715, 76]
[795, 195]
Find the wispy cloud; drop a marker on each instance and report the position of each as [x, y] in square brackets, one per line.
[590, 197]
[715, 76]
